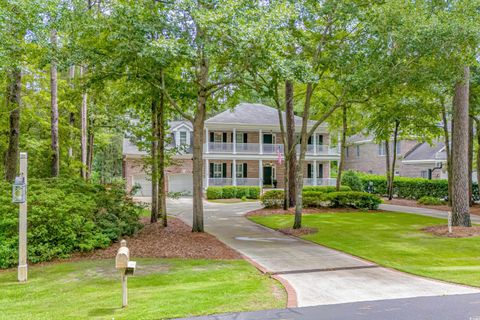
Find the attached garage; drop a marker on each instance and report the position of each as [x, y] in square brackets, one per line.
[144, 183]
[180, 182]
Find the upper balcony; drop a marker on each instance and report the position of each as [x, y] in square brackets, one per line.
[263, 148]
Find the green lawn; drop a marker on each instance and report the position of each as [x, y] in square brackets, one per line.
[161, 288]
[393, 240]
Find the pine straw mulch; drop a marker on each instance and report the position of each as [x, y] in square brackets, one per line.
[175, 241]
[270, 211]
[457, 232]
[298, 232]
[475, 209]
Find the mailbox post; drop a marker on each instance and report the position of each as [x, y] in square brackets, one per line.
[126, 268]
[19, 195]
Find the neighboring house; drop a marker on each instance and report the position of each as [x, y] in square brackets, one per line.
[414, 159]
[242, 147]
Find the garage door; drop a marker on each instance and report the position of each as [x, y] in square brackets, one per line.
[180, 183]
[145, 185]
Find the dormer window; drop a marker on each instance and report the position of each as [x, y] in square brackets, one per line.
[183, 138]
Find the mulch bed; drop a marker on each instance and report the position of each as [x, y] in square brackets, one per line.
[267, 212]
[475, 209]
[298, 232]
[175, 241]
[457, 232]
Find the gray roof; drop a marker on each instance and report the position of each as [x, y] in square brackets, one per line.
[425, 151]
[251, 113]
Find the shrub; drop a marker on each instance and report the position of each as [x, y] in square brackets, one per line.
[64, 216]
[431, 201]
[242, 192]
[408, 188]
[272, 199]
[214, 193]
[253, 192]
[315, 201]
[352, 180]
[325, 189]
[353, 199]
[229, 192]
[244, 198]
[312, 194]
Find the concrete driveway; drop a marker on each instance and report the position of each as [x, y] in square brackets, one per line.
[318, 275]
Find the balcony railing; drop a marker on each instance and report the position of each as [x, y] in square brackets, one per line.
[230, 182]
[248, 181]
[319, 182]
[220, 181]
[266, 148]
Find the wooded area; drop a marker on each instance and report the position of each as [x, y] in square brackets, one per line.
[76, 75]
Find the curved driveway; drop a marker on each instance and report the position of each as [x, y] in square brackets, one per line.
[318, 275]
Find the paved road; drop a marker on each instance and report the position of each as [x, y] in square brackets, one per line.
[319, 275]
[456, 307]
[424, 212]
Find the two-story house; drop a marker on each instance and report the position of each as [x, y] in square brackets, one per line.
[242, 147]
[414, 158]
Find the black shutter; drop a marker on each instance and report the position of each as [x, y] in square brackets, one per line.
[224, 167]
[309, 170]
[211, 170]
[309, 140]
[245, 136]
[231, 137]
[245, 170]
[212, 136]
[224, 137]
[320, 170]
[231, 169]
[320, 139]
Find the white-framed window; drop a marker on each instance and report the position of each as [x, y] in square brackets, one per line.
[183, 138]
[239, 170]
[381, 149]
[398, 147]
[358, 151]
[218, 170]
[218, 137]
[424, 174]
[239, 137]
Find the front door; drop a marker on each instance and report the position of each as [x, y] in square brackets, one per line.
[267, 176]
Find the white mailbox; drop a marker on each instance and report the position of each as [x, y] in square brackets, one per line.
[126, 268]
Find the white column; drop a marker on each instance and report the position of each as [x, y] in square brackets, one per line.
[260, 140]
[22, 226]
[260, 173]
[207, 172]
[207, 139]
[234, 141]
[314, 172]
[234, 172]
[314, 143]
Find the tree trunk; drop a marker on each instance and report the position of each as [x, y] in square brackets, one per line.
[154, 149]
[54, 108]
[478, 157]
[446, 135]
[198, 132]
[387, 163]
[83, 130]
[292, 158]
[71, 75]
[13, 104]
[394, 160]
[300, 163]
[162, 194]
[460, 201]
[344, 147]
[90, 149]
[470, 161]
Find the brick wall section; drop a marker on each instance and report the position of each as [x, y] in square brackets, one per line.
[371, 162]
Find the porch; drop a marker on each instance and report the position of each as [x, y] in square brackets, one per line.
[262, 173]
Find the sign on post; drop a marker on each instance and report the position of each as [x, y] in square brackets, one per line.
[19, 195]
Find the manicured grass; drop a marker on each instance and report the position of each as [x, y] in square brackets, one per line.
[161, 288]
[393, 240]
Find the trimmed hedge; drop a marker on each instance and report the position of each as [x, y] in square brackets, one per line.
[353, 199]
[230, 192]
[64, 216]
[272, 199]
[326, 189]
